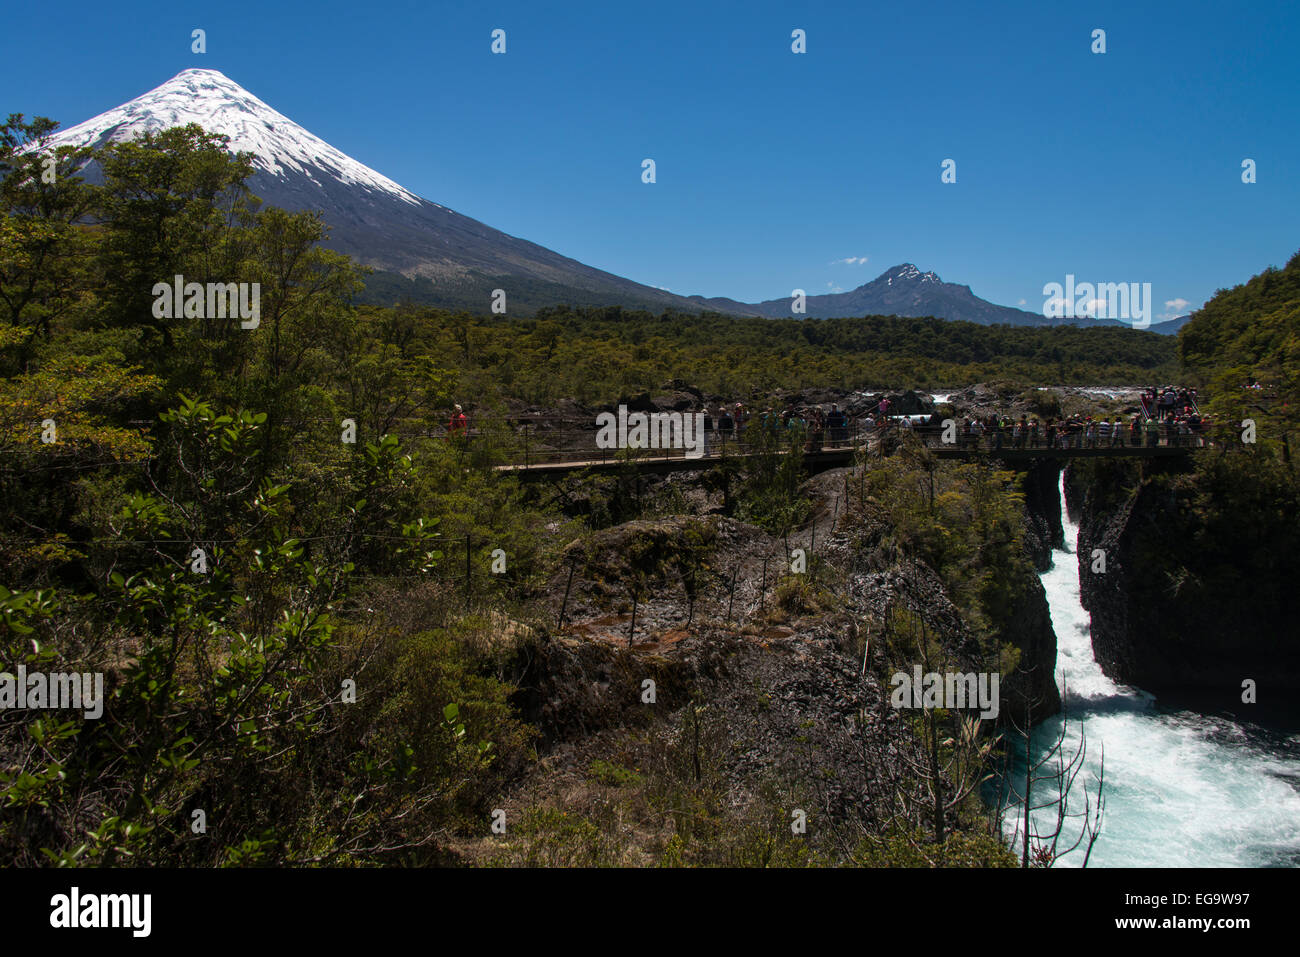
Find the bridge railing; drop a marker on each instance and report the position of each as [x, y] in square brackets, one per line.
[536, 444]
[533, 444]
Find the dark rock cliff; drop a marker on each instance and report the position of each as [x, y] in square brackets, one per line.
[1028, 624]
[1043, 529]
[1032, 684]
[1182, 605]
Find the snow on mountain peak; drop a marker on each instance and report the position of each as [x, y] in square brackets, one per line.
[220, 105]
[909, 271]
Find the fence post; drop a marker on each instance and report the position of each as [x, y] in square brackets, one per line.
[631, 632]
[690, 597]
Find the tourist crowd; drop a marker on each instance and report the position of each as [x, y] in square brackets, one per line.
[1168, 416]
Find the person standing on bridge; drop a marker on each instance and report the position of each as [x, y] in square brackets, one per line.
[835, 425]
[458, 427]
[1103, 431]
[816, 430]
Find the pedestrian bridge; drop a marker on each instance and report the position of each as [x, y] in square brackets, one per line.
[551, 451]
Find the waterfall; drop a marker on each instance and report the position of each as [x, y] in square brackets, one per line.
[1182, 789]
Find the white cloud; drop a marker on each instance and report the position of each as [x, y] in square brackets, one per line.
[834, 288]
[850, 261]
[1020, 303]
[1174, 308]
[1059, 307]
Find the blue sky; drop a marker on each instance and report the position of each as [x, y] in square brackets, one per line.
[772, 167]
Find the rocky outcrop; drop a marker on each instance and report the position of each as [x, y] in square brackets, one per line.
[1043, 529]
[790, 704]
[900, 403]
[1031, 687]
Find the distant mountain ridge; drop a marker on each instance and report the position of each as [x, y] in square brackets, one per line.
[904, 290]
[1170, 327]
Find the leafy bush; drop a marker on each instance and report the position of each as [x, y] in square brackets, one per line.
[612, 775]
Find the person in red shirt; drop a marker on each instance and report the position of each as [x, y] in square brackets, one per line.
[458, 427]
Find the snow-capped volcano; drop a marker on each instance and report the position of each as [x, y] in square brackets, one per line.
[374, 220]
[280, 146]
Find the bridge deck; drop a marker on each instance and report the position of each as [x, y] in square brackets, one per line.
[839, 456]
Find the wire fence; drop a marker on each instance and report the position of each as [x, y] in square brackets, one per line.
[576, 447]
